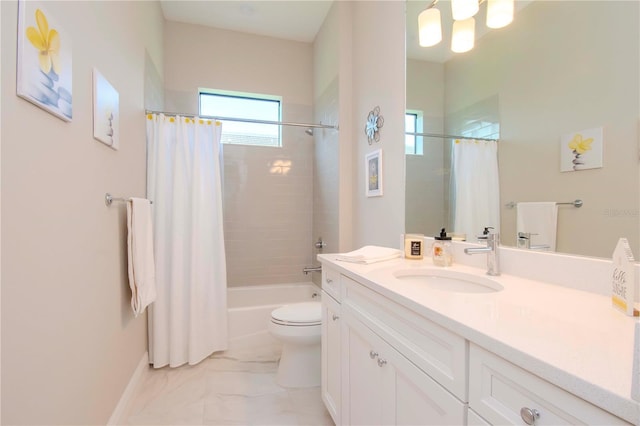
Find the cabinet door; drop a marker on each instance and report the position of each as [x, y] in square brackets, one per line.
[382, 387]
[331, 371]
[362, 381]
[418, 399]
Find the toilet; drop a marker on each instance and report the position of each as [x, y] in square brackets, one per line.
[298, 327]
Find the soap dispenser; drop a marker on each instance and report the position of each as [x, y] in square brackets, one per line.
[441, 250]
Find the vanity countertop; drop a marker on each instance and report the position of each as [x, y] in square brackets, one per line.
[571, 338]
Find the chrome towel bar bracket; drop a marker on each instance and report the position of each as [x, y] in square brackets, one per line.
[109, 199]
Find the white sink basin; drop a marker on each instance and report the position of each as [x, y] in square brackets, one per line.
[448, 280]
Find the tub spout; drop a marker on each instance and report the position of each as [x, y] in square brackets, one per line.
[307, 269]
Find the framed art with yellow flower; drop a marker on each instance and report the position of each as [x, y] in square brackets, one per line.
[373, 173]
[581, 150]
[44, 60]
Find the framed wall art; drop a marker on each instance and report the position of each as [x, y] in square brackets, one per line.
[44, 60]
[373, 170]
[106, 111]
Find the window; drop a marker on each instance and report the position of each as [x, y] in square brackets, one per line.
[413, 124]
[244, 106]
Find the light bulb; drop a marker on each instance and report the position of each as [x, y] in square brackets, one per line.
[499, 13]
[463, 36]
[429, 27]
[464, 9]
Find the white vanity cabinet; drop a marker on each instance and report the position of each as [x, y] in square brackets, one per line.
[387, 361]
[503, 393]
[382, 387]
[331, 353]
[386, 352]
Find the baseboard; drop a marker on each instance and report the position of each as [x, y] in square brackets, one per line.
[129, 391]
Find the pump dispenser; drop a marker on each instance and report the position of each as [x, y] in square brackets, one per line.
[441, 250]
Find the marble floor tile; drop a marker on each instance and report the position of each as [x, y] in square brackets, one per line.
[227, 389]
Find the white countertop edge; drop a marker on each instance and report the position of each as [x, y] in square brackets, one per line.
[617, 404]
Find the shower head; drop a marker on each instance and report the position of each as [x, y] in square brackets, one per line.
[309, 131]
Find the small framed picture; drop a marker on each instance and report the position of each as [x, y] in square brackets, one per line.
[106, 111]
[373, 173]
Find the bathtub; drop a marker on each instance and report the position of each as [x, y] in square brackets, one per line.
[249, 310]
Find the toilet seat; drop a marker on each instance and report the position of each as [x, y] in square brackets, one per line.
[298, 315]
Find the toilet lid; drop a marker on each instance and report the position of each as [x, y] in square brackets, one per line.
[307, 313]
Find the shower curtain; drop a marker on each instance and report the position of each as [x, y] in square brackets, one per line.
[188, 320]
[476, 189]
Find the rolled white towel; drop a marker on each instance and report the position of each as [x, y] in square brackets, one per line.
[369, 254]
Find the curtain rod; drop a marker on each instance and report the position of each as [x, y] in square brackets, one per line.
[245, 120]
[436, 135]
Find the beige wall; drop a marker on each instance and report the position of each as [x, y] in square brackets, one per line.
[267, 209]
[69, 340]
[326, 177]
[378, 73]
[426, 209]
[552, 80]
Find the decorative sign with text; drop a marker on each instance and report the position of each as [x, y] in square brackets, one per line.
[623, 278]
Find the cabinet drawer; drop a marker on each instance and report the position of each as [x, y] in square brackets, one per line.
[331, 282]
[499, 390]
[435, 350]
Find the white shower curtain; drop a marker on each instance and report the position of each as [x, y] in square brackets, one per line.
[188, 320]
[476, 189]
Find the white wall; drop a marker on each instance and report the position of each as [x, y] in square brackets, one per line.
[555, 72]
[267, 209]
[69, 340]
[378, 79]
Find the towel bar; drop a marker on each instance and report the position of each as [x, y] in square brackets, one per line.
[575, 203]
[108, 199]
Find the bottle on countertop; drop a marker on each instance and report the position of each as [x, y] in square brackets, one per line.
[441, 250]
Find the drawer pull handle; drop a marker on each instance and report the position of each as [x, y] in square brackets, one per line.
[373, 354]
[529, 416]
[381, 362]
[328, 280]
[335, 317]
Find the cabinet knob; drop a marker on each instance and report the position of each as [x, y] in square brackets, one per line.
[529, 416]
[335, 317]
[328, 280]
[381, 362]
[373, 354]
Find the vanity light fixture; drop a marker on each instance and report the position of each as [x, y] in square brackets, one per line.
[464, 9]
[463, 36]
[429, 26]
[499, 14]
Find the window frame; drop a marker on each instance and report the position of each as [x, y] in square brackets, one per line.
[249, 97]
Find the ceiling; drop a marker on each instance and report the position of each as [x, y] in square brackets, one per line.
[300, 20]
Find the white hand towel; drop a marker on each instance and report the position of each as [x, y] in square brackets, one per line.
[142, 275]
[369, 254]
[539, 218]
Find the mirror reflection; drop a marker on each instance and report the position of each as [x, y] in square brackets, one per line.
[559, 89]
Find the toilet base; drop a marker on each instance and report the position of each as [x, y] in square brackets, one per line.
[299, 366]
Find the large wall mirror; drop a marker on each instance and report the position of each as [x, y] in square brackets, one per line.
[559, 69]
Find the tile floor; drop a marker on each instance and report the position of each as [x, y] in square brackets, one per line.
[231, 388]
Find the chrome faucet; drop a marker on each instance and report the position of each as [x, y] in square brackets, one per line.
[493, 260]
